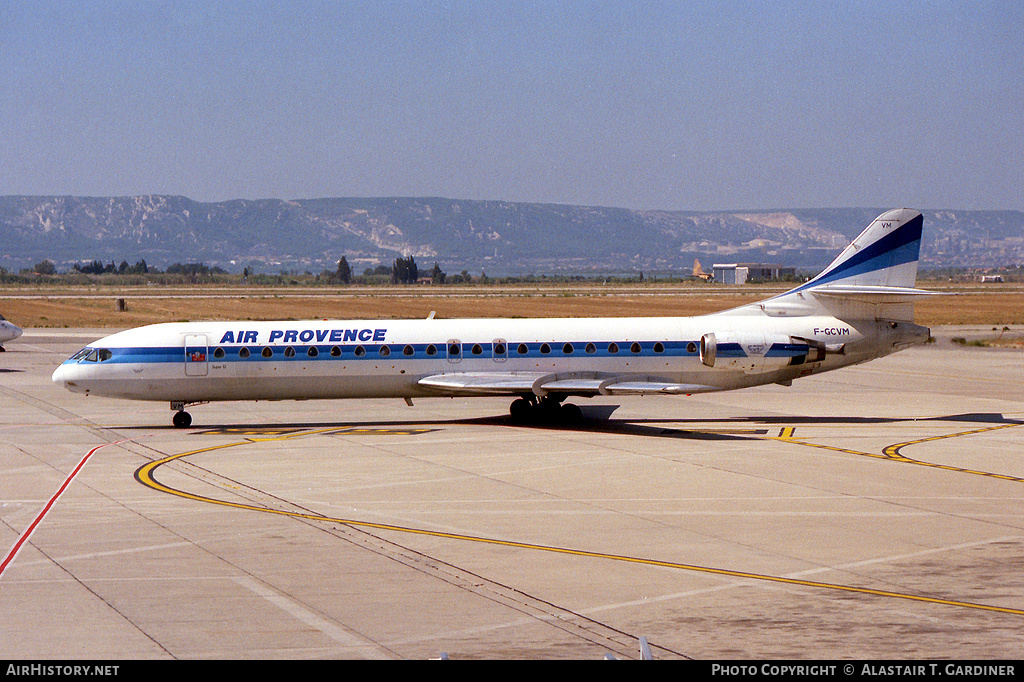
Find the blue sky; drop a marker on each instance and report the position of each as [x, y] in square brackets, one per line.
[649, 105]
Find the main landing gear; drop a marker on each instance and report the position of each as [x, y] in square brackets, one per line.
[547, 409]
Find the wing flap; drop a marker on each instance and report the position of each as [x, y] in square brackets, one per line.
[643, 387]
[540, 383]
[500, 383]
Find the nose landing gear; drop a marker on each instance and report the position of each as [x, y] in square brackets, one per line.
[181, 418]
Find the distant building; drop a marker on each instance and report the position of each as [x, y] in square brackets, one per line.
[991, 278]
[730, 273]
[741, 273]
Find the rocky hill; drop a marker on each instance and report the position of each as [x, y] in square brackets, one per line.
[495, 236]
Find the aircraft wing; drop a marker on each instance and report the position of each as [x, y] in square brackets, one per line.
[501, 383]
[541, 383]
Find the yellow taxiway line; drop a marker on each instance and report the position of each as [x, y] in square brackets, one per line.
[145, 475]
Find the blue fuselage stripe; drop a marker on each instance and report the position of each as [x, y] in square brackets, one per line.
[418, 351]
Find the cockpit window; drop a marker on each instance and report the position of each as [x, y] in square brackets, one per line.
[93, 355]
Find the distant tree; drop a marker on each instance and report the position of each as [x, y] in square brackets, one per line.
[194, 269]
[344, 271]
[405, 271]
[437, 275]
[94, 268]
[45, 268]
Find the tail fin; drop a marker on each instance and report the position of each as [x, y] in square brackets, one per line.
[873, 277]
[885, 254]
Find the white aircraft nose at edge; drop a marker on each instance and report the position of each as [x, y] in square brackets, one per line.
[859, 308]
[8, 331]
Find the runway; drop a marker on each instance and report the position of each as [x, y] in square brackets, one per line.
[869, 513]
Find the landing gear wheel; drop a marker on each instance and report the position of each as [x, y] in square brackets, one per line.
[546, 410]
[570, 413]
[520, 409]
[182, 420]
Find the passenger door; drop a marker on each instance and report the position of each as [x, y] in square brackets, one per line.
[196, 351]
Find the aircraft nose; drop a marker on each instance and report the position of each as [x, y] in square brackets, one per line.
[64, 376]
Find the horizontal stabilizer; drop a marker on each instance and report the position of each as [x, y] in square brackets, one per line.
[871, 293]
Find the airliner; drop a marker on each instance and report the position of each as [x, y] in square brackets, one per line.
[859, 308]
[8, 332]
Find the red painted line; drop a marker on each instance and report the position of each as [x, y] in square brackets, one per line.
[42, 514]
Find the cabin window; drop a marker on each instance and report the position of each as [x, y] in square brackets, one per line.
[268, 352]
[359, 351]
[613, 347]
[635, 348]
[335, 351]
[454, 351]
[408, 350]
[477, 350]
[691, 347]
[567, 349]
[289, 352]
[522, 349]
[218, 353]
[313, 352]
[591, 348]
[384, 351]
[659, 347]
[243, 352]
[431, 350]
[545, 348]
[499, 350]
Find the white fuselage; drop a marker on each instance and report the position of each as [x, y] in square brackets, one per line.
[857, 309]
[198, 362]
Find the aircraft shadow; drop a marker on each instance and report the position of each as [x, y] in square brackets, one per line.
[596, 419]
